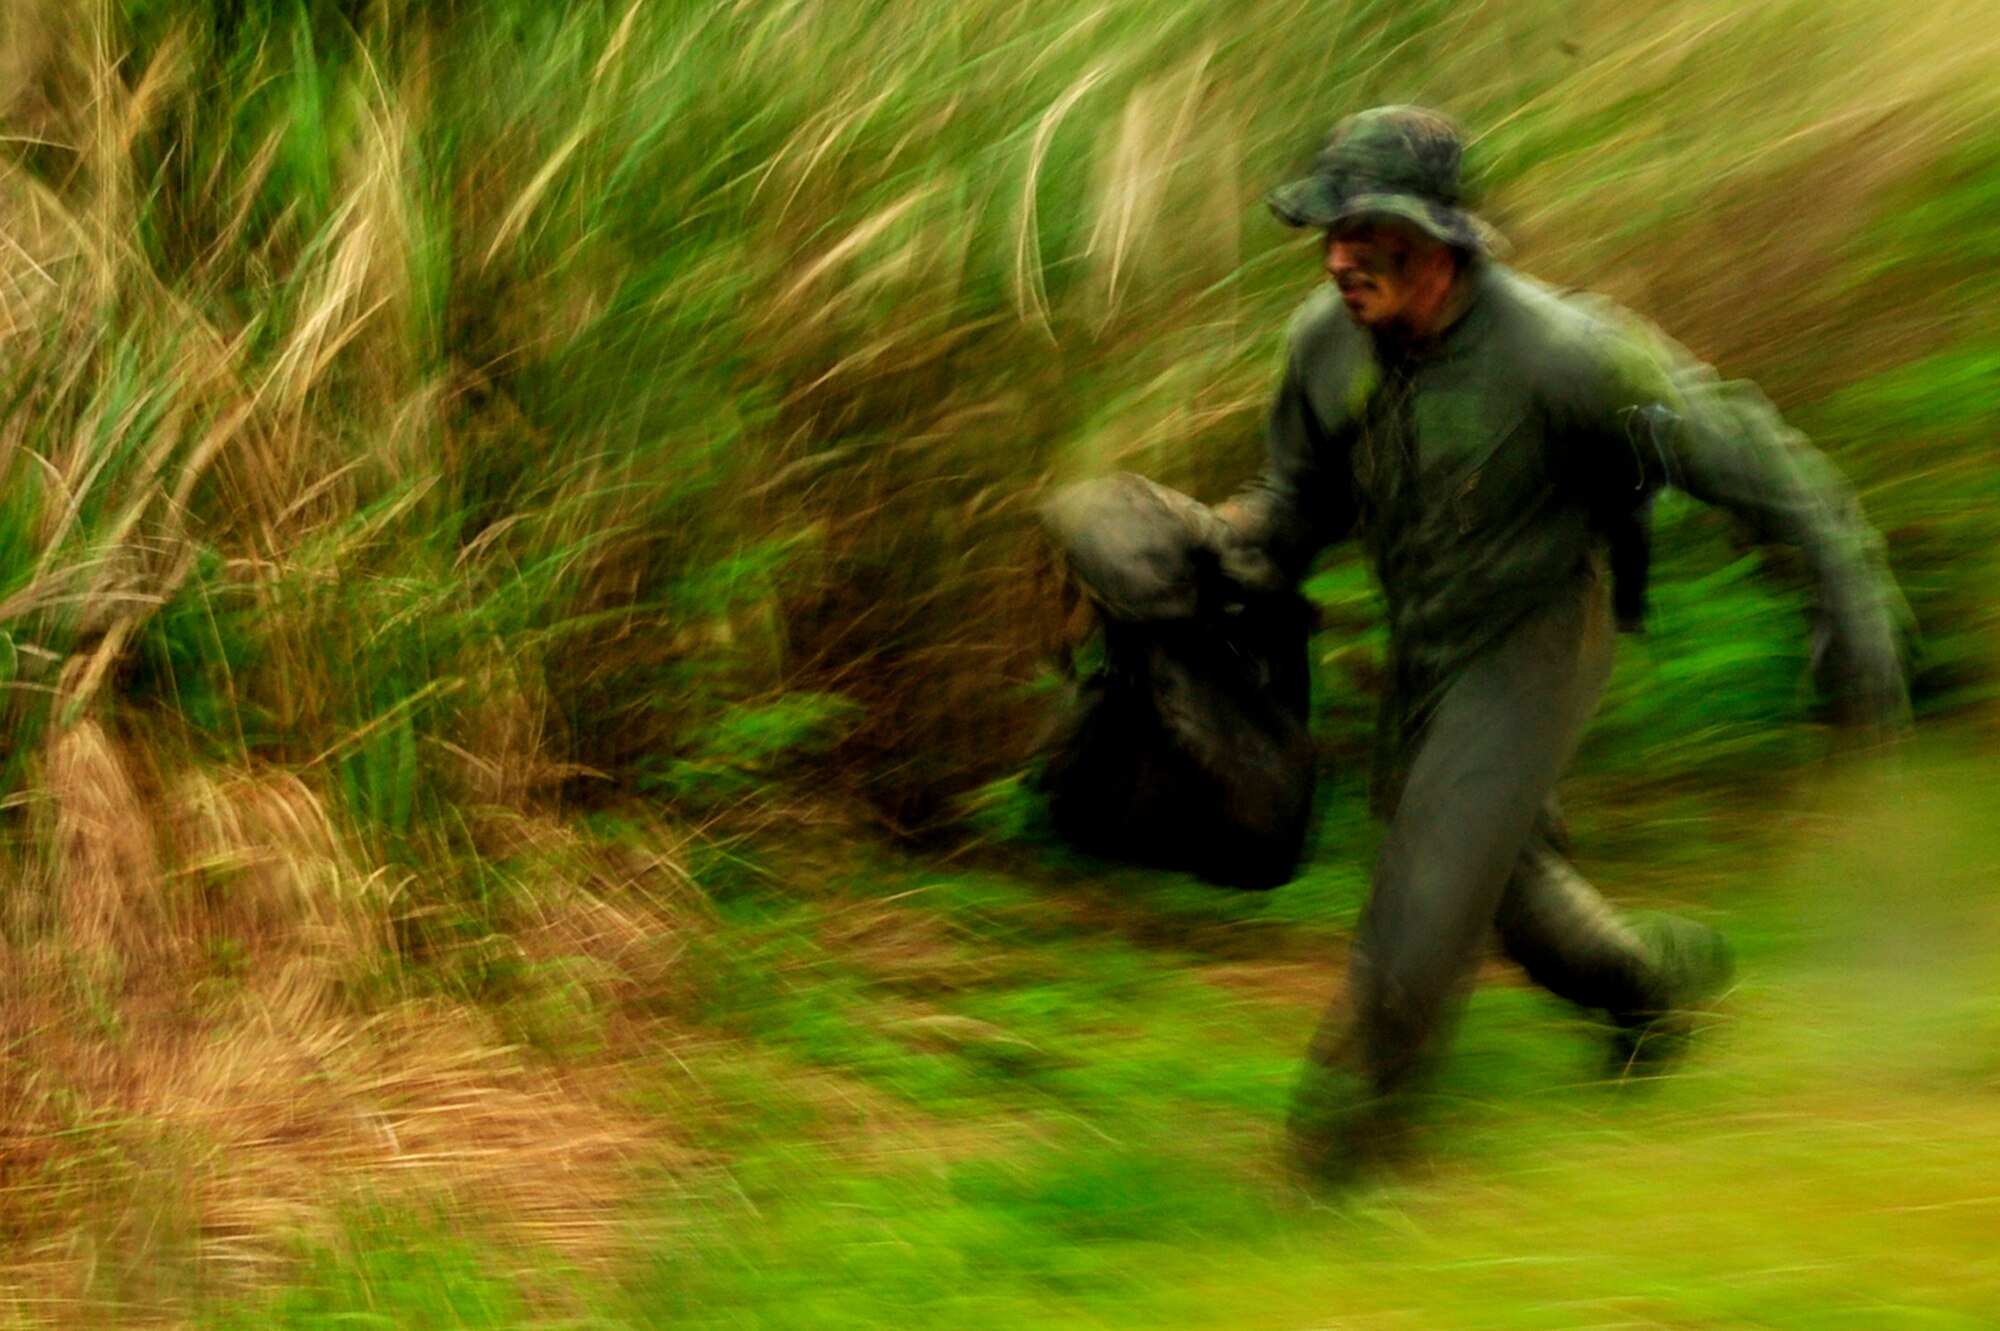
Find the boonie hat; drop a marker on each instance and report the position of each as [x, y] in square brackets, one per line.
[1395, 161]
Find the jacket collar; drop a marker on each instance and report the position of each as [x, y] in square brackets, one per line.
[1465, 330]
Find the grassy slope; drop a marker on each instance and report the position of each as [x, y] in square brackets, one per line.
[968, 1098]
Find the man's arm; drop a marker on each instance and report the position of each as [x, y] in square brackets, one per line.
[1671, 420]
[1302, 499]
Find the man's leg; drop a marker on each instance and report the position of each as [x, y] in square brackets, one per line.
[1572, 943]
[1568, 939]
[1487, 759]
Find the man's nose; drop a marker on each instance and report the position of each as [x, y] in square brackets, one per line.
[1339, 258]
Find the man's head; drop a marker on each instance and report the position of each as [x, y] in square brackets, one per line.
[1386, 191]
[1395, 279]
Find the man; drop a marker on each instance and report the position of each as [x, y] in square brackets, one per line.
[1495, 445]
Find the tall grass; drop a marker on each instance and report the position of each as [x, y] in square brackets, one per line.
[423, 423]
[676, 381]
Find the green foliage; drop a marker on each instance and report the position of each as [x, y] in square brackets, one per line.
[1717, 684]
[705, 410]
[191, 652]
[1932, 481]
[741, 750]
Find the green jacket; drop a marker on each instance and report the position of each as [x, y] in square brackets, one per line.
[1489, 470]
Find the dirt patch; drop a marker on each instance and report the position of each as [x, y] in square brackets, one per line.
[1304, 984]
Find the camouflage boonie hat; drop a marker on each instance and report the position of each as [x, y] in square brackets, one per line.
[1396, 161]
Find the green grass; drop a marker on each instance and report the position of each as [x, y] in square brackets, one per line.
[392, 1277]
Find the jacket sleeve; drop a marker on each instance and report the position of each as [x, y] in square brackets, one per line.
[1303, 499]
[1663, 418]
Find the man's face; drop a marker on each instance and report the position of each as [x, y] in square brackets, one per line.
[1376, 263]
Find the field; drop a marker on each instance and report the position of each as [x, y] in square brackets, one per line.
[950, 1097]
[524, 627]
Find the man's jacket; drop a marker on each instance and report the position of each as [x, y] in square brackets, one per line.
[1488, 469]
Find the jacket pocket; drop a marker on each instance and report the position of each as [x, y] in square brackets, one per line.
[1479, 457]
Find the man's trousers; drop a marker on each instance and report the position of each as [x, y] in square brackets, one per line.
[1473, 848]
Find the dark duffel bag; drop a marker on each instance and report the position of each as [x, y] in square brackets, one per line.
[1187, 748]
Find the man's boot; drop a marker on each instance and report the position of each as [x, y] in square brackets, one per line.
[1692, 964]
[1337, 1124]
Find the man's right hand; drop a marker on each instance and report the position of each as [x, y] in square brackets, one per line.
[1235, 533]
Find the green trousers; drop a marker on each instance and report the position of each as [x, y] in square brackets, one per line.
[1475, 847]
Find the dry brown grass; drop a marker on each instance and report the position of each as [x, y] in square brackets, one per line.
[422, 1106]
[195, 1045]
[106, 884]
[236, 1141]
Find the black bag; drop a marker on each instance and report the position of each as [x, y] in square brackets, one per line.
[1187, 748]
